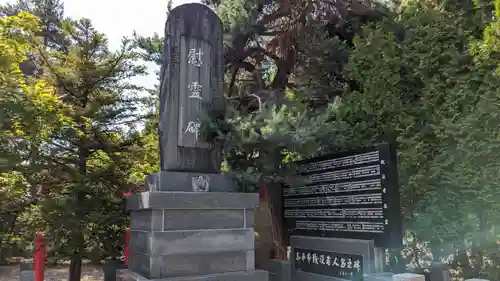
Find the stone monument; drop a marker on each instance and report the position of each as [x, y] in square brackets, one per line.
[188, 225]
[191, 81]
[342, 211]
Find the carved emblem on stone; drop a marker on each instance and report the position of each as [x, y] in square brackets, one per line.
[200, 183]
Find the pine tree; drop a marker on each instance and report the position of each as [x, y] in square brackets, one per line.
[93, 83]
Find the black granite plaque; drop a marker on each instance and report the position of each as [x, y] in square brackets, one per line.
[353, 194]
[339, 265]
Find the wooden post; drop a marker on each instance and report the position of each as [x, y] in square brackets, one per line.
[127, 249]
[39, 257]
[191, 85]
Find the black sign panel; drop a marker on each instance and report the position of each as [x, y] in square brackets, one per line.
[353, 194]
[339, 265]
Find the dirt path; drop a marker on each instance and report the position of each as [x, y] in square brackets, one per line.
[59, 273]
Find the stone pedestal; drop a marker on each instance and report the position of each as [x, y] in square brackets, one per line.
[192, 236]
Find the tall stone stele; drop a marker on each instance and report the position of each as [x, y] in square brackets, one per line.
[189, 225]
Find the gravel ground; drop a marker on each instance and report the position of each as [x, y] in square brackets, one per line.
[59, 273]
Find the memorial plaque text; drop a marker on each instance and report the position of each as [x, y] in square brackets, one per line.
[353, 194]
[339, 265]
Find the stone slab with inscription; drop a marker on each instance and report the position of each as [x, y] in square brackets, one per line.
[352, 194]
[331, 259]
[191, 88]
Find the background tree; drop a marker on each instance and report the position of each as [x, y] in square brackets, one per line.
[93, 83]
[29, 113]
[50, 14]
[419, 75]
[50, 17]
[284, 64]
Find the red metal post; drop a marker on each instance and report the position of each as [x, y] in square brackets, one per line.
[127, 251]
[39, 257]
[127, 237]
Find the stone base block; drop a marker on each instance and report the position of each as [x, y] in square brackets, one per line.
[163, 243]
[280, 270]
[164, 200]
[383, 276]
[192, 264]
[408, 277]
[26, 272]
[440, 272]
[189, 182]
[194, 219]
[27, 275]
[252, 275]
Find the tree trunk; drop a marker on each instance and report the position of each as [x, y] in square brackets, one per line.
[75, 267]
[275, 209]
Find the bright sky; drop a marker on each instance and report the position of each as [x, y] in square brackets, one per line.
[118, 18]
